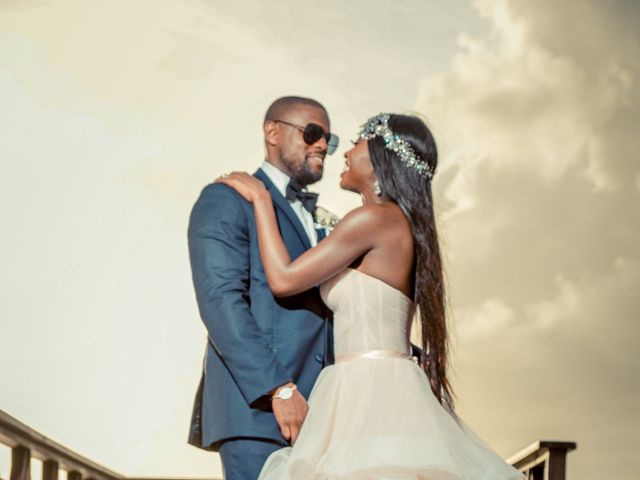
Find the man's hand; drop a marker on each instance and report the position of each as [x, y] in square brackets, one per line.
[290, 413]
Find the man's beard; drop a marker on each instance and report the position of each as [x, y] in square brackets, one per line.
[302, 174]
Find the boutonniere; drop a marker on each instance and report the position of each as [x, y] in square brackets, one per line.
[323, 218]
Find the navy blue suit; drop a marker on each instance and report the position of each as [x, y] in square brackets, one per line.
[255, 342]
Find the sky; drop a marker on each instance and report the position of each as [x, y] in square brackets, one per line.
[114, 115]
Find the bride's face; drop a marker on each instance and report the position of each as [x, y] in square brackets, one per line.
[357, 175]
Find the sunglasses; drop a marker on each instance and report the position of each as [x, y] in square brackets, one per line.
[314, 132]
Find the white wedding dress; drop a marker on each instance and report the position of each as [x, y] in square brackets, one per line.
[373, 415]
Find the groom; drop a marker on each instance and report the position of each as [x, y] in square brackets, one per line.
[263, 353]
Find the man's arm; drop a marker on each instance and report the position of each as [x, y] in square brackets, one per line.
[219, 252]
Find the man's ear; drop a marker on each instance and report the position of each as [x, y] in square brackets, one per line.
[271, 132]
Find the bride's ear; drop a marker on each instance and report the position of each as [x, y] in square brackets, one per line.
[271, 132]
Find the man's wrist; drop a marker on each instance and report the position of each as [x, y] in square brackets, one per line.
[283, 392]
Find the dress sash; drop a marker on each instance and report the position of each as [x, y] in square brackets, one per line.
[373, 354]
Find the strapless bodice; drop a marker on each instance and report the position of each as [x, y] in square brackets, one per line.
[369, 314]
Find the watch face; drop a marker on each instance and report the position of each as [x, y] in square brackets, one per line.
[285, 393]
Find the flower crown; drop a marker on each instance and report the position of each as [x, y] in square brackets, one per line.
[378, 126]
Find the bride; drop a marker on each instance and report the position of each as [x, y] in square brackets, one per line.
[377, 413]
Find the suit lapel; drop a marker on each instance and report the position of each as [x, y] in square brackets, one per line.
[284, 206]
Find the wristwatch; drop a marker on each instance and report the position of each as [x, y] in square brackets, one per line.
[285, 393]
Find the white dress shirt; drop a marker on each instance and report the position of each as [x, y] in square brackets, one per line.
[281, 180]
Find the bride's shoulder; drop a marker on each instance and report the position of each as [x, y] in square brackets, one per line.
[366, 216]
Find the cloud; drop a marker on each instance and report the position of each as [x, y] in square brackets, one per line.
[564, 306]
[516, 102]
[564, 368]
[539, 186]
[538, 151]
[485, 320]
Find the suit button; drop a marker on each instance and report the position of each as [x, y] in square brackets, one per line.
[318, 357]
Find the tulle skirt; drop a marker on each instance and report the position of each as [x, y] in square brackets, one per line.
[378, 419]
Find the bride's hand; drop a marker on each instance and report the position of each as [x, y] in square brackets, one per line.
[246, 185]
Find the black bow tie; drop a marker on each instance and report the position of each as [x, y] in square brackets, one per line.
[308, 199]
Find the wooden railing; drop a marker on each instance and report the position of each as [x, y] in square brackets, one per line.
[27, 443]
[543, 460]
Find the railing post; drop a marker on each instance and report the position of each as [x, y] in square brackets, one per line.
[20, 463]
[536, 473]
[74, 475]
[50, 470]
[557, 463]
[543, 460]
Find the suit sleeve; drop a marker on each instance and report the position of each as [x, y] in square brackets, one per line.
[219, 253]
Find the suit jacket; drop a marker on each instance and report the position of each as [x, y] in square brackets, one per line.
[255, 342]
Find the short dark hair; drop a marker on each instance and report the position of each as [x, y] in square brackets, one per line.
[281, 105]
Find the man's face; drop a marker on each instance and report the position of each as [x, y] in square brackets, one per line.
[304, 163]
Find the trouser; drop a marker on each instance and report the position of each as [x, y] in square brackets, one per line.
[243, 458]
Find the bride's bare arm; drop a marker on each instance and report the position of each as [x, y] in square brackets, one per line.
[352, 237]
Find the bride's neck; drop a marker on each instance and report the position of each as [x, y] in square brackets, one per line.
[370, 198]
